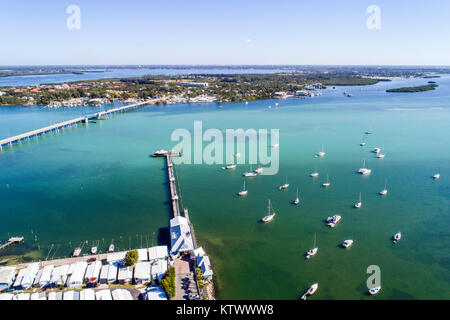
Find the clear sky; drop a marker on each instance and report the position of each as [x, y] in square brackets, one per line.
[413, 32]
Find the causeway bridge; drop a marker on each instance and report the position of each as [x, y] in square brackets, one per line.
[55, 127]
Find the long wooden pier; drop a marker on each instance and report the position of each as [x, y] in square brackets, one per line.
[85, 119]
[11, 241]
[172, 186]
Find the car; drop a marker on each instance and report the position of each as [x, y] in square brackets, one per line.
[194, 297]
[91, 260]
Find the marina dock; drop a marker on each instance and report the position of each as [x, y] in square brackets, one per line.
[11, 241]
[61, 125]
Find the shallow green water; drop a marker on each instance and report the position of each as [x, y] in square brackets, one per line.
[98, 182]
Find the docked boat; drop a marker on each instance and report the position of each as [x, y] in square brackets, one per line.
[397, 237]
[326, 184]
[237, 155]
[297, 200]
[259, 170]
[160, 153]
[384, 191]
[270, 214]
[76, 252]
[436, 176]
[312, 252]
[362, 144]
[310, 291]
[250, 173]
[333, 221]
[94, 250]
[243, 192]
[359, 203]
[230, 166]
[375, 290]
[347, 243]
[111, 248]
[320, 153]
[364, 171]
[376, 150]
[284, 186]
[315, 174]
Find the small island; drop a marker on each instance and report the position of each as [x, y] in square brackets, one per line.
[414, 89]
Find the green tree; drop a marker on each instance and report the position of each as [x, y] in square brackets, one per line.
[131, 257]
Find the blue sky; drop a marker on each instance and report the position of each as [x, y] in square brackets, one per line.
[225, 32]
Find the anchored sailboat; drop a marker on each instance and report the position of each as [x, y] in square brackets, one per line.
[243, 192]
[297, 200]
[359, 203]
[313, 251]
[326, 184]
[270, 214]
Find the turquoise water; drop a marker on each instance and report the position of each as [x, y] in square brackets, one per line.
[98, 183]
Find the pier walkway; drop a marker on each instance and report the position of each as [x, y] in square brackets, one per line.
[11, 241]
[85, 119]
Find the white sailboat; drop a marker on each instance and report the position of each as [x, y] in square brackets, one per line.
[237, 155]
[297, 200]
[315, 174]
[250, 173]
[310, 291]
[230, 166]
[259, 170]
[381, 154]
[384, 191]
[312, 252]
[364, 171]
[94, 250]
[326, 184]
[436, 176]
[270, 214]
[321, 153]
[243, 192]
[359, 203]
[284, 186]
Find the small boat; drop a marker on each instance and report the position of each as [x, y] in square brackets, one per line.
[276, 104]
[376, 150]
[243, 192]
[368, 132]
[384, 191]
[320, 153]
[230, 166]
[276, 145]
[364, 171]
[94, 250]
[312, 252]
[347, 243]
[297, 200]
[237, 155]
[250, 173]
[397, 237]
[111, 248]
[380, 154]
[436, 176]
[270, 214]
[310, 291]
[359, 203]
[76, 252]
[362, 144]
[315, 174]
[349, 95]
[160, 153]
[326, 184]
[333, 221]
[374, 290]
[246, 102]
[284, 186]
[259, 170]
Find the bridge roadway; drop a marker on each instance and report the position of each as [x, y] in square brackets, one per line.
[85, 119]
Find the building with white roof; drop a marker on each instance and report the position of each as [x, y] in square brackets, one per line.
[37, 278]
[159, 267]
[103, 295]
[142, 254]
[7, 275]
[199, 252]
[59, 275]
[158, 252]
[125, 275]
[55, 295]
[180, 236]
[104, 274]
[77, 277]
[71, 295]
[92, 275]
[112, 272]
[205, 265]
[38, 296]
[116, 257]
[142, 272]
[22, 296]
[19, 279]
[26, 276]
[121, 294]
[87, 294]
[44, 280]
[6, 296]
[155, 293]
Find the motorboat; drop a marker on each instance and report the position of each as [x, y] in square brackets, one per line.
[347, 243]
[397, 237]
[230, 166]
[111, 248]
[327, 183]
[310, 291]
[94, 250]
[436, 176]
[237, 155]
[384, 191]
[315, 174]
[259, 170]
[320, 153]
[284, 186]
[364, 171]
[333, 221]
[375, 290]
[376, 150]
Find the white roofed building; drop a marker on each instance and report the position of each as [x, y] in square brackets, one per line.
[142, 272]
[112, 273]
[180, 236]
[26, 276]
[142, 254]
[59, 275]
[46, 276]
[92, 275]
[125, 275]
[103, 295]
[121, 294]
[7, 275]
[159, 268]
[77, 277]
[155, 293]
[87, 294]
[205, 265]
[71, 295]
[158, 252]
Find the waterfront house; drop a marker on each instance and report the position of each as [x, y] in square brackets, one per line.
[125, 275]
[7, 275]
[44, 281]
[59, 275]
[205, 265]
[77, 277]
[87, 294]
[92, 275]
[159, 268]
[142, 272]
[180, 236]
[26, 276]
[142, 254]
[121, 294]
[116, 257]
[199, 252]
[158, 252]
[103, 295]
